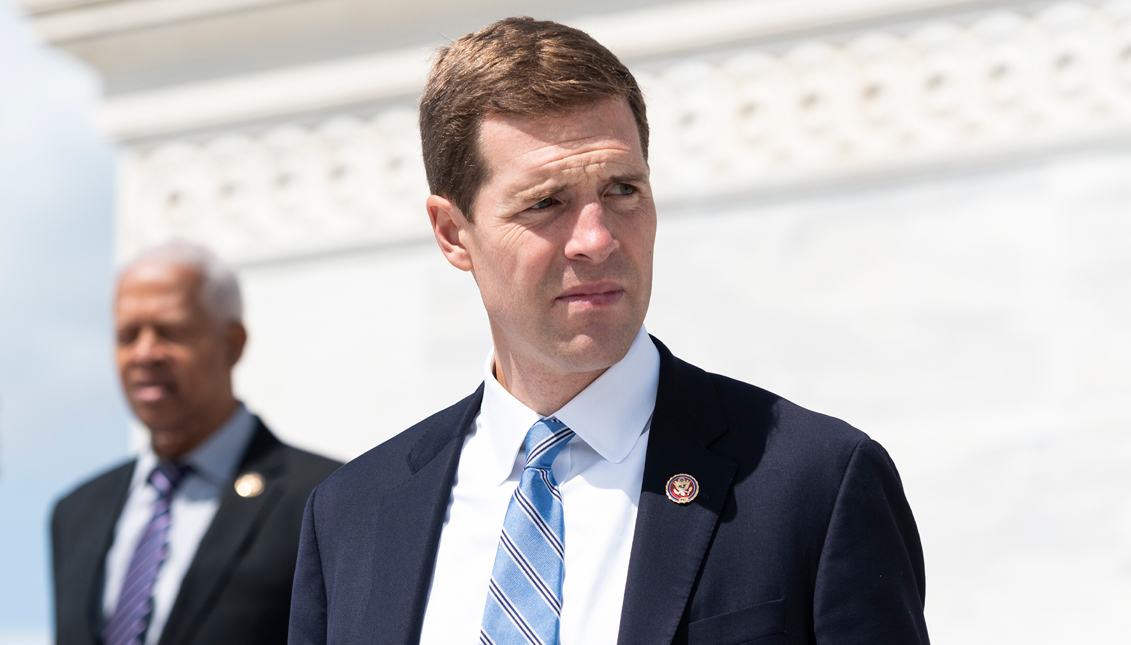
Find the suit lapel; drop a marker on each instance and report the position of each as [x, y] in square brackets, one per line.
[231, 533]
[92, 552]
[421, 503]
[670, 539]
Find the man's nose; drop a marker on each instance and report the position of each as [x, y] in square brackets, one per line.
[591, 238]
[147, 348]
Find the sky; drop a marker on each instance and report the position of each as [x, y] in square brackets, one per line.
[62, 418]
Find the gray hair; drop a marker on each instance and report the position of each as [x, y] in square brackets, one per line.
[219, 288]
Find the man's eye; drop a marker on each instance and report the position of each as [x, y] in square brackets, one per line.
[175, 333]
[623, 189]
[545, 203]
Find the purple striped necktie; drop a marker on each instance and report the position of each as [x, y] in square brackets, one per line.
[135, 602]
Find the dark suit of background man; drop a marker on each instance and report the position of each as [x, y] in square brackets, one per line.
[653, 502]
[195, 540]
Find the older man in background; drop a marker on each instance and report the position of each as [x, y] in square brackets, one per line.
[194, 541]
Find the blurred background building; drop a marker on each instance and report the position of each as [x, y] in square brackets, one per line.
[911, 214]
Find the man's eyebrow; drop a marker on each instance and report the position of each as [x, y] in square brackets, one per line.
[553, 188]
[630, 178]
[542, 191]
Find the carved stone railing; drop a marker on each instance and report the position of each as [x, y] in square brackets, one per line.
[345, 182]
[915, 97]
[909, 95]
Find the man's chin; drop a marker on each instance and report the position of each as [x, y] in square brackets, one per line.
[171, 443]
[161, 418]
[590, 352]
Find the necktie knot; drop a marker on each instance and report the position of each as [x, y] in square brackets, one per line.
[544, 441]
[166, 476]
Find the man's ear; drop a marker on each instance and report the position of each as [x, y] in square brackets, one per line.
[235, 336]
[447, 224]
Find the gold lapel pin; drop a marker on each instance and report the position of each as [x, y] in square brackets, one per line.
[249, 485]
[682, 488]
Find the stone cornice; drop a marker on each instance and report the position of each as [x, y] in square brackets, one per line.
[657, 31]
[732, 121]
[39, 8]
[321, 87]
[62, 21]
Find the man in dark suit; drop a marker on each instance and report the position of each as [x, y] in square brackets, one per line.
[195, 540]
[595, 489]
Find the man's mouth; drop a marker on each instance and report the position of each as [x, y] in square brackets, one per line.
[599, 294]
[152, 391]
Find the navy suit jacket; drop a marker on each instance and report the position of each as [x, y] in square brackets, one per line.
[800, 532]
[236, 590]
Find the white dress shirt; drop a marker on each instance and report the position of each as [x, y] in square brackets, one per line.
[599, 474]
[193, 505]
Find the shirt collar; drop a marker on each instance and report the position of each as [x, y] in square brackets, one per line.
[217, 457]
[609, 415]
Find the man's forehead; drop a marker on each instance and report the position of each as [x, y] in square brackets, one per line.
[154, 272]
[561, 143]
[164, 283]
[575, 124]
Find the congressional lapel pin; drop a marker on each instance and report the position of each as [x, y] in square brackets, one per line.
[682, 489]
[249, 485]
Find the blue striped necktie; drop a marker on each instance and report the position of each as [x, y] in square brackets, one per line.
[524, 603]
[135, 602]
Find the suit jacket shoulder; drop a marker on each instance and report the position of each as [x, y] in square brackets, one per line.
[800, 533]
[91, 496]
[306, 469]
[405, 453]
[238, 587]
[374, 589]
[814, 444]
[82, 529]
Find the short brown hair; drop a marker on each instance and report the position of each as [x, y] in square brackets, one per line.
[515, 66]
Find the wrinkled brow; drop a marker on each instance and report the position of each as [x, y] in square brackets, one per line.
[552, 188]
